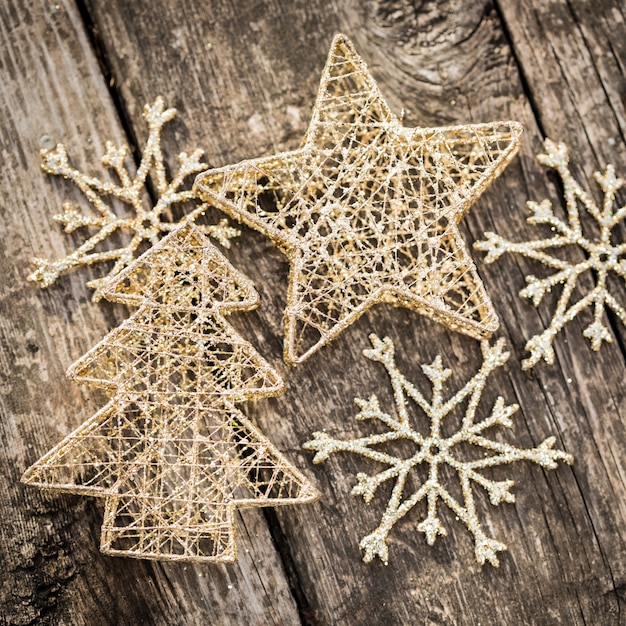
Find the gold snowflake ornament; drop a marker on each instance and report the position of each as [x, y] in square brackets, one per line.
[367, 211]
[144, 223]
[434, 450]
[170, 453]
[602, 256]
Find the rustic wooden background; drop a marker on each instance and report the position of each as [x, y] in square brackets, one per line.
[243, 75]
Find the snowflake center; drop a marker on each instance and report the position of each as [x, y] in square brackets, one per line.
[148, 226]
[433, 449]
[604, 256]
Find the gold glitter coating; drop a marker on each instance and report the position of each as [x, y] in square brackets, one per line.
[143, 224]
[367, 211]
[170, 453]
[436, 451]
[601, 255]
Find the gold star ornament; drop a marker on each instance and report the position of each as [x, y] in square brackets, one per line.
[367, 211]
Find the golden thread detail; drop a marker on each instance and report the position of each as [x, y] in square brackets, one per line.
[170, 453]
[367, 211]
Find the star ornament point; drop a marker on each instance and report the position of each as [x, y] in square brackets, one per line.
[367, 210]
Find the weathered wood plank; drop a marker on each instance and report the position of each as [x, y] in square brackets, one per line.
[248, 73]
[577, 79]
[575, 74]
[52, 89]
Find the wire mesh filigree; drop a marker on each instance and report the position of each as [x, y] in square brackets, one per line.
[170, 453]
[367, 211]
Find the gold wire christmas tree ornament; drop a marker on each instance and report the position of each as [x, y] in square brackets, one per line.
[367, 211]
[144, 225]
[170, 453]
[435, 451]
[601, 255]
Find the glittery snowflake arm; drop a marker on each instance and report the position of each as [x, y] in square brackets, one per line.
[143, 224]
[435, 450]
[370, 409]
[601, 255]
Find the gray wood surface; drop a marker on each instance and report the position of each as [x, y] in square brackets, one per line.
[243, 76]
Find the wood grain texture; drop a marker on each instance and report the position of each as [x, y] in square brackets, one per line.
[244, 76]
[52, 572]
